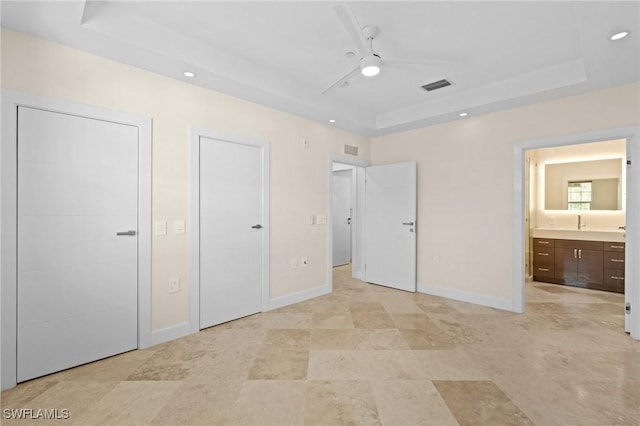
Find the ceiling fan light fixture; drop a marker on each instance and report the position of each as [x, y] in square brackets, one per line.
[370, 65]
[619, 36]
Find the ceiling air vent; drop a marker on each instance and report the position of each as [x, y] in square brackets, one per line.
[350, 149]
[436, 85]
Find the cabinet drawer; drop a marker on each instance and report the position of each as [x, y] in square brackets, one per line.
[543, 254]
[579, 244]
[614, 280]
[615, 247]
[543, 270]
[543, 242]
[614, 261]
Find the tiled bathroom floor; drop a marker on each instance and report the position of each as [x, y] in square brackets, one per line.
[367, 355]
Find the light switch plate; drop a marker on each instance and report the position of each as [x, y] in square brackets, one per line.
[321, 219]
[179, 227]
[160, 227]
[174, 285]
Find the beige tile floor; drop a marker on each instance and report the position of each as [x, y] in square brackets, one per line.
[370, 355]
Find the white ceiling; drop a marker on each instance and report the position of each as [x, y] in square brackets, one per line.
[284, 54]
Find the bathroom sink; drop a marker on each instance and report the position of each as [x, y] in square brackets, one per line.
[613, 235]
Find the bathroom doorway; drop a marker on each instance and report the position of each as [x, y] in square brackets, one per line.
[533, 220]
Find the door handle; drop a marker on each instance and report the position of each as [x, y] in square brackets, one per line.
[258, 226]
[408, 223]
[348, 221]
[575, 253]
[126, 233]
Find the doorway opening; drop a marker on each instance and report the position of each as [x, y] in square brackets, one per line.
[536, 224]
[346, 216]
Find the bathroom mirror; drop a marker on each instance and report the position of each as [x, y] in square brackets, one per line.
[583, 185]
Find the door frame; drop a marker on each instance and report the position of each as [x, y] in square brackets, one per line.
[11, 100]
[632, 234]
[194, 145]
[357, 238]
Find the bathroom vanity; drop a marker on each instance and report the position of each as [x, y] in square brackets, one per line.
[584, 263]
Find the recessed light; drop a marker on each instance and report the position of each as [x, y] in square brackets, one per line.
[189, 74]
[619, 36]
[332, 121]
[463, 114]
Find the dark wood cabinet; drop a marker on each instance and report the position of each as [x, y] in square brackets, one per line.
[590, 264]
[544, 257]
[579, 263]
[613, 278]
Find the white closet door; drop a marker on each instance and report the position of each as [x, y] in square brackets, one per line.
[390, 225]
[231, 198]
[77, 280]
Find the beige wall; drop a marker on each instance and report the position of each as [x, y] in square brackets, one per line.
[298, 177]
[464, 167]
[465, 182]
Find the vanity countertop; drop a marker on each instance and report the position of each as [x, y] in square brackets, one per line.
[613, 235]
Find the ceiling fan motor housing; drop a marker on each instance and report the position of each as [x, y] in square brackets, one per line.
[370, 65]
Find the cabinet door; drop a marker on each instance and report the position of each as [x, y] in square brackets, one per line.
[567, 265]
[590, 268]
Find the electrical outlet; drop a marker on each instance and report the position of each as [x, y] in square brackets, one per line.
[305, 143]
[436, 260]
[294, 263]
[304, 262]
[174, 285]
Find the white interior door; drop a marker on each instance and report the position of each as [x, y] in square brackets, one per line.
[231, 228]
[390, 225]
[341, 206]
[77, 280]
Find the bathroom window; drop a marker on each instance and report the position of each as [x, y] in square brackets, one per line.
[579, 196]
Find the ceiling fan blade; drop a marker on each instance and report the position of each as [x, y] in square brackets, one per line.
[350, 23]
[400, 62]
[342, 79]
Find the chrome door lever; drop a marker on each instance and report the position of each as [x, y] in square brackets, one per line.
[257, 226]
[408, 223]
[126, 233]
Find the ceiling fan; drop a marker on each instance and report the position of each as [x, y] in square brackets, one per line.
[370, 62]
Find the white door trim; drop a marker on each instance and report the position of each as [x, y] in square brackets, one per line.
[632, 272]
[195, 134]
[357, 238]
[8, 209]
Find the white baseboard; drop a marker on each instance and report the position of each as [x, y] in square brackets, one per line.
[301, 296]
[463, 296]
[169, 333]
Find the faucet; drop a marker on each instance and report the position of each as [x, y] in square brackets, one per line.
[579, 222]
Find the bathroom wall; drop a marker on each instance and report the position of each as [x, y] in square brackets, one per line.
[584, 152]
[299, 176]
